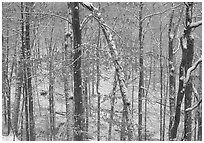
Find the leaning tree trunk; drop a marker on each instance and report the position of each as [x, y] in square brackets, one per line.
[78, 112]
[119, 71]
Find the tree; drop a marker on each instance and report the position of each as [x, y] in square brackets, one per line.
[78, 112]
[185, 85]
[112, 107]
[67, 76]
[97, 83]
[28, 7]
[51, 88]
[141, 75]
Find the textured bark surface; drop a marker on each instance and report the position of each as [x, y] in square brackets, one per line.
[141, 76]
[29, 76]
[171, 74]
[78, 115]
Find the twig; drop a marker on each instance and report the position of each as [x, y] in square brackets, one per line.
[192, 108]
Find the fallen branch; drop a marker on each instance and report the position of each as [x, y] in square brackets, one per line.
[192, 108]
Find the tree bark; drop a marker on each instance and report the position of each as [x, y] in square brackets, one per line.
[29, 76]
[51, 89]
[78, 115]
[97, 85]
[171, 74]
[67, 77]
[141, 77]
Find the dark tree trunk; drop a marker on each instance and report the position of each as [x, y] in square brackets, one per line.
[78, 112]
[141, 77]
[185, 88]
[188, 88]
[25, 78]
[28, 70]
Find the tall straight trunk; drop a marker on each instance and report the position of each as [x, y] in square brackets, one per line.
[67, 77]
[28, 70]
[51, 89]
[188, 64]
[97, 85]
[171, 74]
[112, 107]
[133, 90]
[25, 76]
[165, 103]
[78, 112]
[149, 82]
[87, 95]
[5, 85]
[141, 78]
[161, 78]
[15, 114]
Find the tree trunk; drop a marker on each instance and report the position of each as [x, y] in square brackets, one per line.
[112, 107]
[66, 70]
[97, 85]
[199, 112]
[188, 64]
[141, 77]
[78, 115]
[185, 87]
[161, 78]
[149, 82]
[171, 74]
[28, 70]
[25, 76]
[51, 90]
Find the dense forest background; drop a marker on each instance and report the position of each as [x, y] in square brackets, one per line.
[105, 71]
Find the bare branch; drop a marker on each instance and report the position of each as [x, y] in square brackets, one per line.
[191, 69]
[85, 21]
[161, 12]
[195, 24]
[192, 108]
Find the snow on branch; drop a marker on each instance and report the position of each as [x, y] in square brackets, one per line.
[192, 108]
[192, 69]
[195, 24]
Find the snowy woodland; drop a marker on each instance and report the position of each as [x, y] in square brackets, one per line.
[102, 71]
